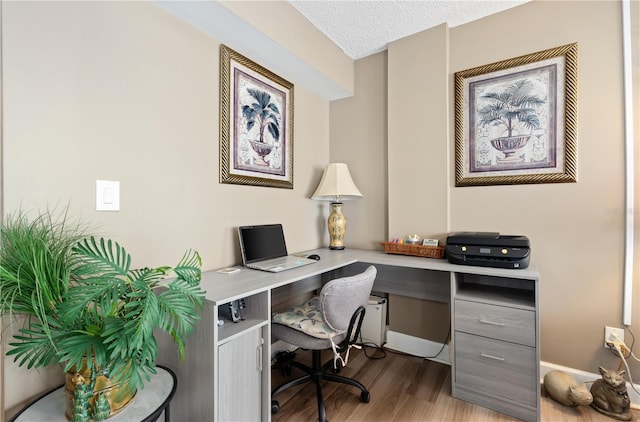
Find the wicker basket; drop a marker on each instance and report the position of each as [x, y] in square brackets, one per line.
[415, 250]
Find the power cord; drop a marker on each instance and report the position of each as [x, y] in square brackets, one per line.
[621, 349]
[364, 345]
[626, 365]
[618, 347]
[633, 338]
[444, 344]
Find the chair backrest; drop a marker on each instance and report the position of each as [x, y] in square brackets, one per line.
[340, 298]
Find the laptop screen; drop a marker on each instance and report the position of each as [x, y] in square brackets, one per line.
[258, 243]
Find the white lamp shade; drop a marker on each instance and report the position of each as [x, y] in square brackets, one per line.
[336, 184]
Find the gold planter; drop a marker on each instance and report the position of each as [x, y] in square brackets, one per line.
[116, 394]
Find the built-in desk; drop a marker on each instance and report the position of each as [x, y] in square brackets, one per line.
[494, 318]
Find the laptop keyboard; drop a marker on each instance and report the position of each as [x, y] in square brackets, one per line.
[277, 264]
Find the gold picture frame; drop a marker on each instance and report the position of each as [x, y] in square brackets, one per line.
[516, 120]
[256, 123]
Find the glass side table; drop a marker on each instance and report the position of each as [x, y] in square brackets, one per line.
[147, 406]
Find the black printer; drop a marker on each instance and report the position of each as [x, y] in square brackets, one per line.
[488, 249]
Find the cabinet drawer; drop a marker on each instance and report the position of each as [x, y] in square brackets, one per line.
[495, 367]
[500, 322]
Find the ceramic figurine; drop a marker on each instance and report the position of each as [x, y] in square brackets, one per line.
[566, 390]
[101, 407]
[610, 395]
[81, 399]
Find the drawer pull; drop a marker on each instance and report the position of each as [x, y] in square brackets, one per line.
[259, 358]
[486, 321]
[500, 358]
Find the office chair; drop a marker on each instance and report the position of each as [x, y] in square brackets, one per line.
[331, 320]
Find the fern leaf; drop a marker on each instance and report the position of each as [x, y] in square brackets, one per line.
[104, 258]
[188, 269]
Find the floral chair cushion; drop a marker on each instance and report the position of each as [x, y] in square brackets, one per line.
[307, 318]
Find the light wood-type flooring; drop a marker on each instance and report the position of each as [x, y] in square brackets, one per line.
[403, 388]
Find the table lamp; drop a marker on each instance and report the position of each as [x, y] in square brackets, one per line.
[336, 186]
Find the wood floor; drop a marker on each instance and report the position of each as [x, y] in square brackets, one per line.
[403, 388]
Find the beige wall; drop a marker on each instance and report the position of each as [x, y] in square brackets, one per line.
[576, 229]
[418, 133]
[419, 318]
[125, 91]
[130, 93]
[359, 138]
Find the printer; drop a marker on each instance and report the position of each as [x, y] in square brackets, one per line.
[488, 249]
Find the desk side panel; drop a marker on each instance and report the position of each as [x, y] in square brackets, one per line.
[194, 398]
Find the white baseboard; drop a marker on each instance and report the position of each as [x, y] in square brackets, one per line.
[418, 347]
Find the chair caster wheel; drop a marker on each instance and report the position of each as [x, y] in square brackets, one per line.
[364, 397]
[275, 407]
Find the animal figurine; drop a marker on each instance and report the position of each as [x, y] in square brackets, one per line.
[566, 390]
[101, 407]
[81, 399]
[610, 395]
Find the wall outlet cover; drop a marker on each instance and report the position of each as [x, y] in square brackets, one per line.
[613, 334]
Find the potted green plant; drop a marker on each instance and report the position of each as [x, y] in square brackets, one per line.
[86, 308]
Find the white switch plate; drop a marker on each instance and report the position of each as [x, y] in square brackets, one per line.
[107, 195]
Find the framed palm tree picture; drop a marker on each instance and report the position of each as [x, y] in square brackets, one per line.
[256, 124]
[515, 120]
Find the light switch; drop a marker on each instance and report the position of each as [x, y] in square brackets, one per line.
[107, 195]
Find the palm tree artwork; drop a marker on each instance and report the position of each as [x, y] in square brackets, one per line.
[514, 110]
[262, 114]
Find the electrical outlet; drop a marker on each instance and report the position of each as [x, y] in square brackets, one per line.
[613, 334]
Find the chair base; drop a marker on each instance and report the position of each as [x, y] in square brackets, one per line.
[316, 374]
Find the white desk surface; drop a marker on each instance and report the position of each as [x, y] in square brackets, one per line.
[222, 288]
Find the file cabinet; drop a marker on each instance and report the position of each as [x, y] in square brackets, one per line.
[496, 343]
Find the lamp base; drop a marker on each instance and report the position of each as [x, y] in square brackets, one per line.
[337, 224]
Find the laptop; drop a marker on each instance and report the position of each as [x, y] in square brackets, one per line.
[263, 248]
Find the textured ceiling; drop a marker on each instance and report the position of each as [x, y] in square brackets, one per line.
[361, 28]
